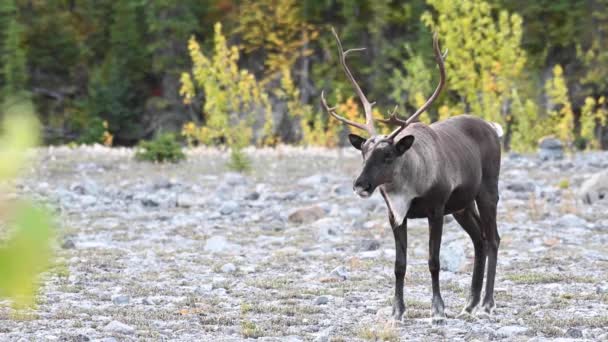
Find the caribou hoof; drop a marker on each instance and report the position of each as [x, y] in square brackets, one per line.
[438, 319]
[465, 315]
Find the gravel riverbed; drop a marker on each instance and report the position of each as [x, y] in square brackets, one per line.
[193, 252]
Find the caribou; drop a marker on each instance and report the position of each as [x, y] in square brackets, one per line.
[429, 171]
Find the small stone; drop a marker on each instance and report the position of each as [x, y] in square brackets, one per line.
[203, 290]
[306, 215]
[339, 272]
[218, 244]
[571, 220]
[321, 300]
[511, 330]
[120, 299]
[253, 196]
[119, 327]
[149, 203]
[574, 333]
[452, 257]
[342, 190]
[521, 187]
[234, 179]
[369, 245]
[68, 244]
[313, 180]
[601, 289]
[228, 268]
[188, 201]
[228, 207]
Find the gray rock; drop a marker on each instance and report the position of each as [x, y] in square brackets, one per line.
[601, 289]
[149, 203]
[324, 335]
[121, 299]
[306, 215]
[234, 179]
[339, 272]
[189, 201]
[228, 268]
[119, 327]
[68, 244]
[321, 300]
[524, 186]
[452, 257]
[313, 180]
[369, 245]
[203, 290]
[343, 190]
[229, 207]
[550, 148]
[574, 333]
[511, 330]
[253, 196]
[219, 244]
[595, 188]
[571, 220]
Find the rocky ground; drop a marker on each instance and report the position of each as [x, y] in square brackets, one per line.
[191, 252]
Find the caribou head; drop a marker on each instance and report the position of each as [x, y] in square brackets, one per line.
[380, 152]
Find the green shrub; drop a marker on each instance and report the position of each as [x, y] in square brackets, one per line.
[164, 148]
[238, 160]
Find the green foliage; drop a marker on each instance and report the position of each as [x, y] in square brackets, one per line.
[115, 88]
[164, 148]
[485, 61]
[27, 250]
[238, 160]
[14, 61]
[96, 132]
[232, 95]
[561, 116]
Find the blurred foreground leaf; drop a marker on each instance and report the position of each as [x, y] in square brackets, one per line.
[19, 132]
[26, 252]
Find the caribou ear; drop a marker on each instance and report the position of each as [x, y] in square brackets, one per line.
[404, 144]
[356, 141]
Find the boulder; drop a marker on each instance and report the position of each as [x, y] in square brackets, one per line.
[595, 188]
[550, 148]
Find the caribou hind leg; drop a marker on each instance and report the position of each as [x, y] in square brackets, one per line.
[469, 220]
[487, 201]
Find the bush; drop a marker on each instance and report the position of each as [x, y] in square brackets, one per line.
[164, 148]
[238, 160]
[96, 132]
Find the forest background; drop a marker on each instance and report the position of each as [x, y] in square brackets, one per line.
[236, 73]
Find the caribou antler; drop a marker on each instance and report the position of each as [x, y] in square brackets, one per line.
[394, 120]
[367, 106]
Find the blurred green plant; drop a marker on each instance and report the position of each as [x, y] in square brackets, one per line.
[485, 60]
[96, 132]
[164, 148]
[27, 250]
[239, 161]
[233, 97]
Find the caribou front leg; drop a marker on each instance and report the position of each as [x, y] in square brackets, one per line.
[400, 233]
[435, 232]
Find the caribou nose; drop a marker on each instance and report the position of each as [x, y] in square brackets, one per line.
[361, 186]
